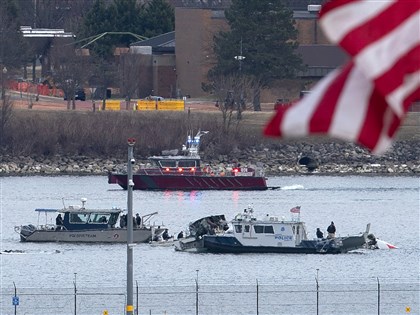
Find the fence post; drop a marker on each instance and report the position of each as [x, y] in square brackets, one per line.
[257, 298]
[317, 292]
[379, 296]
[15, 296]
[137, 298]
[196, 294]
[75, 294]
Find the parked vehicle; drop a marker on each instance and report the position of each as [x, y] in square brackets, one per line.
[78, 95]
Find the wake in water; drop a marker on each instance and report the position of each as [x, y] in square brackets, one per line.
[292, 187]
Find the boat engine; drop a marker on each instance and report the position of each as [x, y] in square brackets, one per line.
[27, 230]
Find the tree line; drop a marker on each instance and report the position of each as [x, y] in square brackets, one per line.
[256, 49]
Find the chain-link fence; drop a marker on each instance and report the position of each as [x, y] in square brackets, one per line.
[374, 297]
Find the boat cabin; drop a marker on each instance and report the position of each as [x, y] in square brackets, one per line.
[177, 164]
[269, 231]
[77, 218]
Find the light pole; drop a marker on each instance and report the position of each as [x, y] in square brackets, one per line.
[130, 244]
[241, 97]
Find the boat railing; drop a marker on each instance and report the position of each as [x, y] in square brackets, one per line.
[51, 227]
[145, 219]
[259, 172]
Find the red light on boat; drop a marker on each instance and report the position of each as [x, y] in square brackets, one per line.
[192, 169]
[235, 170]
[179, 169]
[167, 169]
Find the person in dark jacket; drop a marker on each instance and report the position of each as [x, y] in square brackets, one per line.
[138, 220]
[319, 234]
[123, 221]
[331, 230]
[166, 235]
[59, 222]
[180, 235]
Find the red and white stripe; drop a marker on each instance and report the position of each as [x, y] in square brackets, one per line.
[334, 108]
[384, 38]
[366, 100]
[295, 209]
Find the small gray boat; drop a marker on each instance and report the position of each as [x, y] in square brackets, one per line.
[81, 225]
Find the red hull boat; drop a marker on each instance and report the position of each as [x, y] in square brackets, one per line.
[184, 172]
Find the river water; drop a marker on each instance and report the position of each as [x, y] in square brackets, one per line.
[390, 204]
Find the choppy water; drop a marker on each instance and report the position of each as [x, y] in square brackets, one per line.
[390, 204]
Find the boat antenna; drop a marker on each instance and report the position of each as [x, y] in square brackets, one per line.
[64, 205]
[83, 202]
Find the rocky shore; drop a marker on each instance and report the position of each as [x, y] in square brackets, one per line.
[327, 158]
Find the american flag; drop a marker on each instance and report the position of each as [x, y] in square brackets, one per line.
[367, 99]
[295, 209]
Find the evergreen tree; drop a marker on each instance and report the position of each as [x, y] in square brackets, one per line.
[126, 18]
[261, 43]
[158, 18]
[98, 21]
[12, 43]
[149, 20]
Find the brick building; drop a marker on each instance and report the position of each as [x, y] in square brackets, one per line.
[197, 21]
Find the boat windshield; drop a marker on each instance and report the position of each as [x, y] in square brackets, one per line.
[99, 217]
[167, 163]
[79, 217]
[186, 163]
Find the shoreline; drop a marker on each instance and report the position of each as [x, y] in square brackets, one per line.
[280, 159]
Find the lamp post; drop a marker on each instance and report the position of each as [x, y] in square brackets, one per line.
[240, 58]
[130, 244]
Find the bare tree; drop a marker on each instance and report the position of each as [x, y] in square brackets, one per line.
[70, 68]
[6, 109]
[130, 65]
[233, 97]
[102, 75]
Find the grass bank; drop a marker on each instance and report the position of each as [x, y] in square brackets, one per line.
[104, 134]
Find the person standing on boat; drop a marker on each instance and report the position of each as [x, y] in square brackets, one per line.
[138, 220]
[123, 221]
[331, 230]
[166, 235]
[319, 233]
[180, 235]
[59, 222]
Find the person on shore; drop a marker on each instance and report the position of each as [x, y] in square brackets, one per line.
[331, 230]
[319, 233]
[138, 220]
